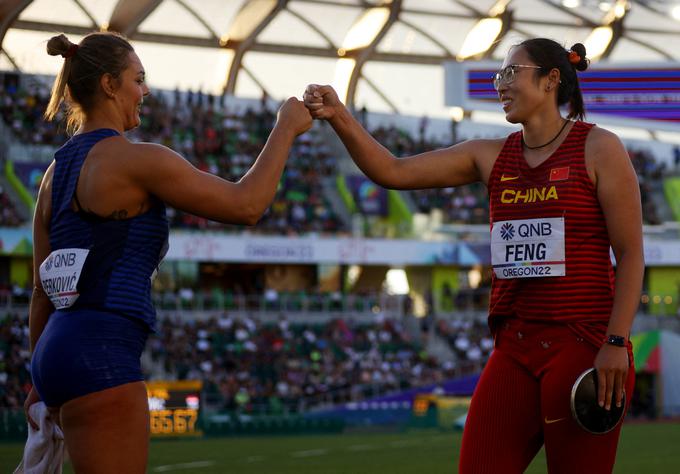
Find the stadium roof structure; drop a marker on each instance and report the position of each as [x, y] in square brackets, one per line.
[383, 54]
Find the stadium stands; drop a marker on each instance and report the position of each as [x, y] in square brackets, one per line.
[650, 175]
[22, 109]
[9, 217]
[462, 205]
[213, 138]
[226, 140]
[15, 378]
[253, 367]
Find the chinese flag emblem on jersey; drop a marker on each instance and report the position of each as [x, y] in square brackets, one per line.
[559, 174]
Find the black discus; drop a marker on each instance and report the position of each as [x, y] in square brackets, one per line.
[585, 409]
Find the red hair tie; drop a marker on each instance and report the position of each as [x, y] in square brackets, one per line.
[70, 51]
[574, 57]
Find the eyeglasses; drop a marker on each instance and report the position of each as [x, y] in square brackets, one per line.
[508, 73]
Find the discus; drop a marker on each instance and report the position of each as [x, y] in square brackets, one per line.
[584, 407]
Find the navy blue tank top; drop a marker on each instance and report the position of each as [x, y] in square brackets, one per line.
[124, 254]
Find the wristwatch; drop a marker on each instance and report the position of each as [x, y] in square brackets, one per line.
[614, 340]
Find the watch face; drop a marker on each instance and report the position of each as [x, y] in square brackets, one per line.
[585, 409]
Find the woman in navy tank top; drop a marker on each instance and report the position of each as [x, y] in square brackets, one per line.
[561, 193]
[100, 231]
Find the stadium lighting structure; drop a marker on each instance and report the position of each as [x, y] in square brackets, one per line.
[396, 282]
[571, 3]
[620, 10]
[222, 65]
[480, 38]
[353, 274]
[343, 72]
[359, 41]
[675, 12]
[247, 20]
[364, 31]
[457, 113]
[475, 277]
[598, 40]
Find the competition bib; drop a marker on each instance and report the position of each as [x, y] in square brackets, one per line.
[59, 274]
[528, 248]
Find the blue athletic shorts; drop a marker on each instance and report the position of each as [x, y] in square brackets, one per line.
[81, 352]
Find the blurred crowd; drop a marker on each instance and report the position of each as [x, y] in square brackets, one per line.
[650, 175]
[15, 376]
[22, 109]
[467, 204]
[285, 366]
[469, 339]
[225, 140]
[9, 217]
[215, 138]
[252, 367]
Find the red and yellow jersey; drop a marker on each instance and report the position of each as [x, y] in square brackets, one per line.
[549, 242]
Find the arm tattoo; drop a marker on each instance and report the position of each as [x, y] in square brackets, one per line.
[118, 215]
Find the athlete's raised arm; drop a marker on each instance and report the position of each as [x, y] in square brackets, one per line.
[119, 176]
[459, 164]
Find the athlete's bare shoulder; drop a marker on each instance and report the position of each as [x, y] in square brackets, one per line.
[603, 149]
[121, 152]
[600, 139]
[485, 151]
[490, 147]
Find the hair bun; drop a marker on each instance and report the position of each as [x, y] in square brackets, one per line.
[59, 45]
[583, 62]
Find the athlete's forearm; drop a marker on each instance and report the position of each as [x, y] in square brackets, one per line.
[261, 181]
[629, 274]
[371, 157]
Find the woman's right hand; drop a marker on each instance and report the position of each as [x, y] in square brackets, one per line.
[32, 398]
[295, 116]
[322, 101]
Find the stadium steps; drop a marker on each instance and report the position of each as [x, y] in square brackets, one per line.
[438, 348]
[408, 200]
[658, 197]
[347, 167]
[331, 193]
[428, 338]
[671, 189]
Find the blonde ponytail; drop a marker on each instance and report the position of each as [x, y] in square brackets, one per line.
[59, 45]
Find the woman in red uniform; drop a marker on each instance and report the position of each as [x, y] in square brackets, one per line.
[561, 192]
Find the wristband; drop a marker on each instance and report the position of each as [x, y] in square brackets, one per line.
[614, 340]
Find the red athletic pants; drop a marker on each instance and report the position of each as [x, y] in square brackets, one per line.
[522, 401]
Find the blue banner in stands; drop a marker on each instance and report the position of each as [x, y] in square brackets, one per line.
[30, 174]
[370, 198]
[631, 94]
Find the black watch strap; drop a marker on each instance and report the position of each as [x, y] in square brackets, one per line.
[614, 340]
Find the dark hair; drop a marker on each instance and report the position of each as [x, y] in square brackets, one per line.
[551, 55]
[97, 54]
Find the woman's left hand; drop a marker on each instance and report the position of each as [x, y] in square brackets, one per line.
[611, 364]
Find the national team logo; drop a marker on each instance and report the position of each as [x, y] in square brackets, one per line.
[507, 231]
[559, 174]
